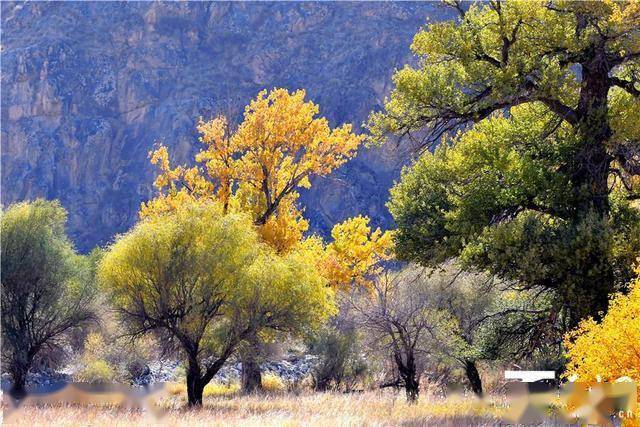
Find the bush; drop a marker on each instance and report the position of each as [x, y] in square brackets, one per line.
[272, 382]
[176, 389]
[128, 360]
[215, 389]
[96, 371]
[339, 360]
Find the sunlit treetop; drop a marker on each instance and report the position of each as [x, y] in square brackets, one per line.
[278, 147]
[357, 253]
[579, 59]
[284, 144]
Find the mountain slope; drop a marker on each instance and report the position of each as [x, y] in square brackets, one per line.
[89, 87]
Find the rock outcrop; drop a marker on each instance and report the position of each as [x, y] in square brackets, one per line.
[89, 87]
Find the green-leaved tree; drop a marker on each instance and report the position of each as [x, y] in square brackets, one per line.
[204, 283]
[47, 288]
[539, 182]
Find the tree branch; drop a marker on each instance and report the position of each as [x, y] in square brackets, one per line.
[627, 85]
[567, 113]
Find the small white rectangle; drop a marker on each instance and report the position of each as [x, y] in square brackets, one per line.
[529, 376]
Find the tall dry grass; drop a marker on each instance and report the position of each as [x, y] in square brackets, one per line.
[310, 409]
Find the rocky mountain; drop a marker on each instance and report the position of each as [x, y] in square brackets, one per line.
[89, 87]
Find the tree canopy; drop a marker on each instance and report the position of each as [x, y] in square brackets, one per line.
[204, 282]
[536, 179]
[47, 288]
[356, 253]
[259, 167]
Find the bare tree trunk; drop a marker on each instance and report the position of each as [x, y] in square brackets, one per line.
[473, 376]
[322, 383]
[195, 385]
[251, 375]
[412, 388]
[19, 376]
[409, 376]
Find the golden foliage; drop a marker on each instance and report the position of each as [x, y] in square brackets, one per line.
[356, 252]
[286, 227]
[284, 144]
[258, 169]
[609, 349]
[215, 389]
[278, 147]
[273, 383]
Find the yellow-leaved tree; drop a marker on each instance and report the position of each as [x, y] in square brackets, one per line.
[356, 253]
[609, 349]
[204, 283]
[259, 168]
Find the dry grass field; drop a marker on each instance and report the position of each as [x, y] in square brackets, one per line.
[312, 409]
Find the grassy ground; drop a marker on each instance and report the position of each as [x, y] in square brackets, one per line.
[312, 409]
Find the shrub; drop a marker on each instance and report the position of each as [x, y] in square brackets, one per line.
[96, 371]
[339, 358]
[176, 389]
[272, 382]
[215, 389]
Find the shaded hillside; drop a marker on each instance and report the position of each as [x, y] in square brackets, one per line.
[87, 88]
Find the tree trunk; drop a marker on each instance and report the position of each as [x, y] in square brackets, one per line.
[590, 175]
[251, 375]
[473, 376]
[412, 387]
[19, 368]
[409, 375]
[195, 385]
[322, 383]
[19, 376]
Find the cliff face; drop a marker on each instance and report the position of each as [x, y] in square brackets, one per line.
[88, 88]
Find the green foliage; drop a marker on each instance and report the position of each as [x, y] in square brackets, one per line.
[340, 361]
[47, 289]
[204, 283]
[540, 190]
[497, 198]
[287, 292]
[501, 54]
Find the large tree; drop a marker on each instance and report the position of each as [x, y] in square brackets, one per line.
[47, 289]
[542, 188]
[204, 283]
[258, 168]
